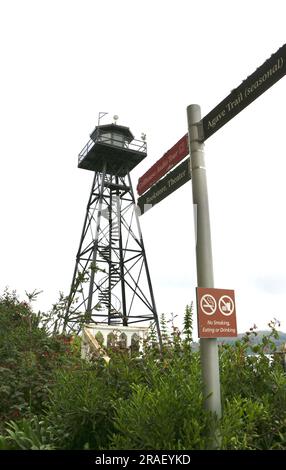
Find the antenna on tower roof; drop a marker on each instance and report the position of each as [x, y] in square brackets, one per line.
[100, 115]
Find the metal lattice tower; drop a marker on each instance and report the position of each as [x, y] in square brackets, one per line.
[111, 282]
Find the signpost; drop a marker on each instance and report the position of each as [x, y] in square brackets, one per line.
[216, 307]
[166, 186]
[204, 261]
[216, 313]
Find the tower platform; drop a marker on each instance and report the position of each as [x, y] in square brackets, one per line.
[114, 146]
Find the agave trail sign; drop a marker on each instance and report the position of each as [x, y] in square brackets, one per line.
[263, 78]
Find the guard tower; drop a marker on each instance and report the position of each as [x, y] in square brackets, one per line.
[111, 283]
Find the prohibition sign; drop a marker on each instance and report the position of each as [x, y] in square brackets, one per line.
[208, 304]
[226, 305]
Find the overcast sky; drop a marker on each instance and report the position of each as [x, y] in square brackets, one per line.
[64, 61]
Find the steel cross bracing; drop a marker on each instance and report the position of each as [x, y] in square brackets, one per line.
[111, 282]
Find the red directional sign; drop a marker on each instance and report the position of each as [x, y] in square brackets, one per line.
[216, 313]
[173, 156]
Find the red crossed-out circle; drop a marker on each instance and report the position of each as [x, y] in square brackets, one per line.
[226, 305]
[208, 304]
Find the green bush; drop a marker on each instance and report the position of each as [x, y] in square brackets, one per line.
[81, 404]
[27, 434]
[242, 420]
[28, 358]
[167, 413]
[51, 399]
[79, 410]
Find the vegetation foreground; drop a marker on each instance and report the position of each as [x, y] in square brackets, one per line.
[51, 399]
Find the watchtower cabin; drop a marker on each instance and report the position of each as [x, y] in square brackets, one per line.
[112, 146]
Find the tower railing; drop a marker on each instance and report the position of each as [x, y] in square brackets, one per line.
[135, 145]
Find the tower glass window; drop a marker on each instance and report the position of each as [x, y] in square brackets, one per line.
[113, 138]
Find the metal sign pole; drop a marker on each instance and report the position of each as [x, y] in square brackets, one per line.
[208, 346]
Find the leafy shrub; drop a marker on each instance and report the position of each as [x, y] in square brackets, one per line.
[50, 399]
[27, 434]
[246, 368]
[241, 421]
[29, 357]
[79, 410]
[167, 413]
[80, 407]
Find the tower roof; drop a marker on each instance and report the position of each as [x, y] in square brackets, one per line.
[123, 130]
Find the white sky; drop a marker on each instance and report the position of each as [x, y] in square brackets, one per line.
[63, 61]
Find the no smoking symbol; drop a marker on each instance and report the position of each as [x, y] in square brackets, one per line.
[226, 305]
[208, 304]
